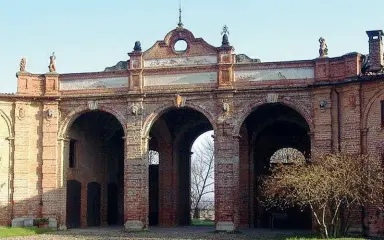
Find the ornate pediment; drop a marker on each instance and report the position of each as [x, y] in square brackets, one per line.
[164, 54]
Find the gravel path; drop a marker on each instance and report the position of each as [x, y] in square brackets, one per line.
[182, 233]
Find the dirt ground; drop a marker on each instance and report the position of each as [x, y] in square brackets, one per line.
[182, 233]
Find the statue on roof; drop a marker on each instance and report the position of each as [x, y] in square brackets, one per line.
[225, 34]
[52, 63]
[323, 50]
[23, 64]
[137, 47]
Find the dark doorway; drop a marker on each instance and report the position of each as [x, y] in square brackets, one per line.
[93, 204]
[112, 204]
[96, 159]
[73, 203]
[271, 127]
[153, 195]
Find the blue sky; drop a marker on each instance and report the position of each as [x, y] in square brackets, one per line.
[91, 35]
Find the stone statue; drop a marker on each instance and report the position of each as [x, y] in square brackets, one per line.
[137, 47]
[52, 63]
[23, 64]
[323, 50]
[225, 34]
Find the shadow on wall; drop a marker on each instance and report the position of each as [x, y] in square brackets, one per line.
[74, 213]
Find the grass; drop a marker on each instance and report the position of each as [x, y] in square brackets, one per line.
[294, 238]
[18, 231]
[198, 222]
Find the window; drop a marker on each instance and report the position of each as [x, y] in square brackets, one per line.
[72, 153]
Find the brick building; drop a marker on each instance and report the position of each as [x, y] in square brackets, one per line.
[74, 146]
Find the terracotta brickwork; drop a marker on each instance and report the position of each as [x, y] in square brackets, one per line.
[340, 105]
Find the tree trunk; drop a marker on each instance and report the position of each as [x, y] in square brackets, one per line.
[196, 213]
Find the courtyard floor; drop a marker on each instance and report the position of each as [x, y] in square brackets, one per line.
[182, 233]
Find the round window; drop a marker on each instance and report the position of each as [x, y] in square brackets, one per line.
[180, 46]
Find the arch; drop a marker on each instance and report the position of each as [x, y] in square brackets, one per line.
[8, 122]
[294, 105]
[157, 113]
[73, 115]
[369, 106]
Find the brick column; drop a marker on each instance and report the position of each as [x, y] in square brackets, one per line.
[21, 160]
[226, 179]
[167, 185]
[50, 181]
[61, 179]
[135, 177]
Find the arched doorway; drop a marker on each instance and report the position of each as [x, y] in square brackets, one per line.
[172, 136]
[268, 129]
[95, 161]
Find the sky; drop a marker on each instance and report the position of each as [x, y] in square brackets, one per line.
[88, 36]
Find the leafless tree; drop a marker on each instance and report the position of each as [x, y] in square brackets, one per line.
[153, 157]
[332, 185]
[202, 174]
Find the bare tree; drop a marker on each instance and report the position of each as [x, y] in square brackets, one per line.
[202, 174]
[332, 185]
[153, 157]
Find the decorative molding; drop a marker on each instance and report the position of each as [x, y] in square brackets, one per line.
[275, 74]
[93, 105]
[180, 101]
[96, 83]
[22, 112]
[137, 109]
[272, 97]
[182, 61]
[175, 79]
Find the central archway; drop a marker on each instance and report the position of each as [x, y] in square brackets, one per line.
[172, 136]
[268, 129]
[94, 168]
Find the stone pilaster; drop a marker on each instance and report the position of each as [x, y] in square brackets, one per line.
[21, 160]
[226, 59]
[322, 104]
[226, 178]
[135, 177]
[50, 181]
[51, 83]
[24, 82]
[136, 71]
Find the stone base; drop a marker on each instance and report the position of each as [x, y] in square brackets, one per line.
[225, 226]
[52, 223]
[18, 222]
[134, 225]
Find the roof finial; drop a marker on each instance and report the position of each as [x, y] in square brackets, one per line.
[180, 24]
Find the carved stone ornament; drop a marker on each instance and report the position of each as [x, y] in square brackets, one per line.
[137, 109]
[225, 107]
[92, 105]
[23, 64]
[50, 113]
[22, 113]
[272, 97]
[180, 101]
[323, 104]
[352, 101]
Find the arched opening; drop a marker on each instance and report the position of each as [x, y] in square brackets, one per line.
[5, 188]
[266, 134]
[202, 180]
[172, 136]
[94, 170]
